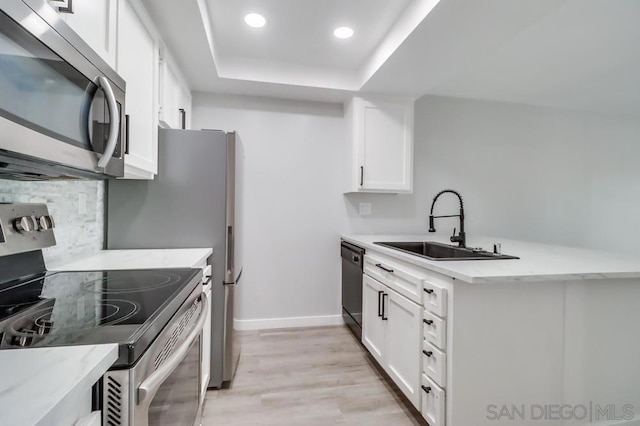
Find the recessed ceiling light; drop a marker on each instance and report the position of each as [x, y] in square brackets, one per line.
[343, 32]
[255, 20]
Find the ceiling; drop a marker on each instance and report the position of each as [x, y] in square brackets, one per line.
[578, 54]
[300, 33]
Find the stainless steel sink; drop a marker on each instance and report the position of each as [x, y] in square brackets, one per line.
[438, 251]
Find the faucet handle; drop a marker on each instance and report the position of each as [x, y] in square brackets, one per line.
[456, 238]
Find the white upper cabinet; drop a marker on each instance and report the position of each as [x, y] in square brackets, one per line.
[380, 145]
[175, 95]
[137, 60]
[95, 22]
[124, 35]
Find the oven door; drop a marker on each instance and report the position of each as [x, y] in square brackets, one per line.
[164, 387]
[58, 109]
[171, 394]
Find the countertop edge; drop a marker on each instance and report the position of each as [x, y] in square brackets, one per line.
[105, 259]
[108, 354]
[435, 266]
[100, 357]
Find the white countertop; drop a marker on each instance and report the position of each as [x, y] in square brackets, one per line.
[35, 382]
[538, 262]
[136, 259]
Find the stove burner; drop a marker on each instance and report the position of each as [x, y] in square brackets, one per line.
[12, 308]
[20, 296]
[111, 315]
[120, 284]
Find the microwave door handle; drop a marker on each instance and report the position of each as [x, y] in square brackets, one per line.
[149, 387]
[115, 122]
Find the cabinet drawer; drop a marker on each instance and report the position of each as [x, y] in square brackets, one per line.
[434, 330]
[434, 363]
[434, 298]
[433, 402]
[395, 275]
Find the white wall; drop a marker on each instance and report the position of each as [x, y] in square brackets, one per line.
[293, 205]
[531, 173]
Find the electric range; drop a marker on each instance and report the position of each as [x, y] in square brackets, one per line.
[156, 317]
[79, 308]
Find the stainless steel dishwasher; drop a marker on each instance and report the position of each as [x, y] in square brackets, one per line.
[352, 260]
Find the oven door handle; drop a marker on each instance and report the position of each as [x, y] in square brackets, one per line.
[150, 386]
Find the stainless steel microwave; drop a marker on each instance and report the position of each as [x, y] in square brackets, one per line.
[61, 105]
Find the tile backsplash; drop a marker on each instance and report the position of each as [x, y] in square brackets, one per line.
[77, 208]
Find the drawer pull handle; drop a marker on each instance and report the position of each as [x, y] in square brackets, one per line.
[428, 322]
[427, 389]
[427, 353]
[379, 265]
[428, 290]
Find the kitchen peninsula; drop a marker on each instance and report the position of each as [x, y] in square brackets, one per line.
[553, 328]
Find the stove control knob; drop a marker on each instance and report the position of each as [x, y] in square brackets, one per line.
[25, 224]
[25, 338]
[44, 326]
[45, 223]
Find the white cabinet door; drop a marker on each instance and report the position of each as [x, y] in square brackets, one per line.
[206, 345]
[403, 346]
[175, 96]
[382, 150]
[169, 95]
[373, 326]
[93, 419]
[137, 64]
[95, 22]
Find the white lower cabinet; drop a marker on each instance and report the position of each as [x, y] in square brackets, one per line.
[93, 419]
[205, 367]
[391, 327]
[435, 330]
[433, 402]
[373, 327]
[434, 363]
[403, 344]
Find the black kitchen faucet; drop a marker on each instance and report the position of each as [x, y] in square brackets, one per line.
[461, 237]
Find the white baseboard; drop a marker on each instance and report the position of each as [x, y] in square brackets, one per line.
[293, 322]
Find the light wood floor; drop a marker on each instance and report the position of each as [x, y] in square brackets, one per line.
[312, 376]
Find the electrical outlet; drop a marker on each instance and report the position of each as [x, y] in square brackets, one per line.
[365, 209]
[82, 203]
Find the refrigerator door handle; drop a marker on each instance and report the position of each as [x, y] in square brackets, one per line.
[230, 249]
[234, 283]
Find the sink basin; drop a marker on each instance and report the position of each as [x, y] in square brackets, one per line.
[438, 251]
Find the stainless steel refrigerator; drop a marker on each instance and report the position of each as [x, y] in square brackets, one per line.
[194, 201]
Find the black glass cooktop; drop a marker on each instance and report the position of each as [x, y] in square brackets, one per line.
[76, 308]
